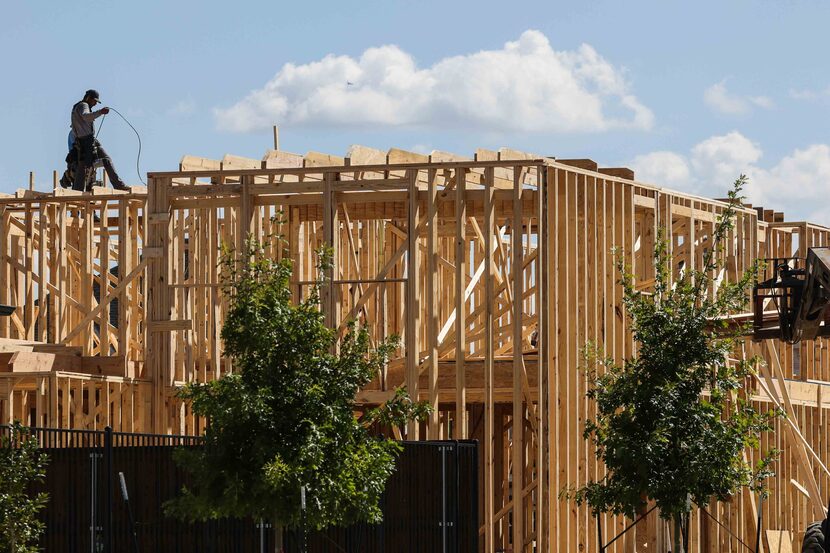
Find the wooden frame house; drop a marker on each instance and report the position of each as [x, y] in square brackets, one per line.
[495, 270]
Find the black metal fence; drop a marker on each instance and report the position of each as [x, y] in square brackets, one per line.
[430, 503]
[430, 506]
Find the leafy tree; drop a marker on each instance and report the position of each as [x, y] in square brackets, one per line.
[21, 465]
[672, 424]
[396, 412]
[286, 418]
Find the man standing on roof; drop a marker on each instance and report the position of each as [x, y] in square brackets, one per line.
[89, 149]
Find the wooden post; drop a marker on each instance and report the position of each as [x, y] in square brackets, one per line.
[60, 266]
[412, 310]
[5, 326]
[517, 432]
[43, 249]
[432, 301]
[27, 298]
[541, 356]
[489, 316]
[124, 307]
[330, 232]
[461, 259]
[159, 352]
[103, 280]
[88, 275]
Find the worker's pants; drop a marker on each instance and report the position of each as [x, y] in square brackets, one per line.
[92, 151]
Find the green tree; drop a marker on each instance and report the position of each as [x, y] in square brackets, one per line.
[395, 413]
[21, 465]
[672, 423]
[285, 419]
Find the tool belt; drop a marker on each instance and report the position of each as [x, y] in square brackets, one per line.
[85, 151]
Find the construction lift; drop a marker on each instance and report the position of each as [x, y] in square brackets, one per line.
[791, 304]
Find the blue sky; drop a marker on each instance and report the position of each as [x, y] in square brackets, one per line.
[689, 94]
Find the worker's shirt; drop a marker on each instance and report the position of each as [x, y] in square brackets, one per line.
[82, 119]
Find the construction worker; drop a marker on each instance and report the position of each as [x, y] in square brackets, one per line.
[88, 147]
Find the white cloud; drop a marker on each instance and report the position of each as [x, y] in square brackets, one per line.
[801, 178]
[803, 94]
[797, 184]
[662, 167]
[421, 148]
[722, 158]
[808, 94]
[524, 86]
[182, 108]
[720, 99]
[762, 101]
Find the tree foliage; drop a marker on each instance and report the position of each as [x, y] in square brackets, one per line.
[672, 423]
[397, 411]
[286, 417]
[21, 465]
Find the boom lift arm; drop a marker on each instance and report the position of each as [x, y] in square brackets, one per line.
[799, 290]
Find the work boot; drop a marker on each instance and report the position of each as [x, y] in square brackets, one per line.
[66, 179]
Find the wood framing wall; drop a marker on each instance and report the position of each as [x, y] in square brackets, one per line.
[71, 265]
[495, 271]
[445, 255]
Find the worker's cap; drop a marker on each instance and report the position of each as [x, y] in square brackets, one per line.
[92, 93]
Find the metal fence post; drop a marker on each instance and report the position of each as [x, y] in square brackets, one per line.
[95, 544]
[108, 488]
[457, 512]
[473, 485]
[303, 544]
[443, 497]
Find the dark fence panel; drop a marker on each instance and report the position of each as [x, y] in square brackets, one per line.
[86, 512]
[72, 483]
[430, 504]
[153, 478]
